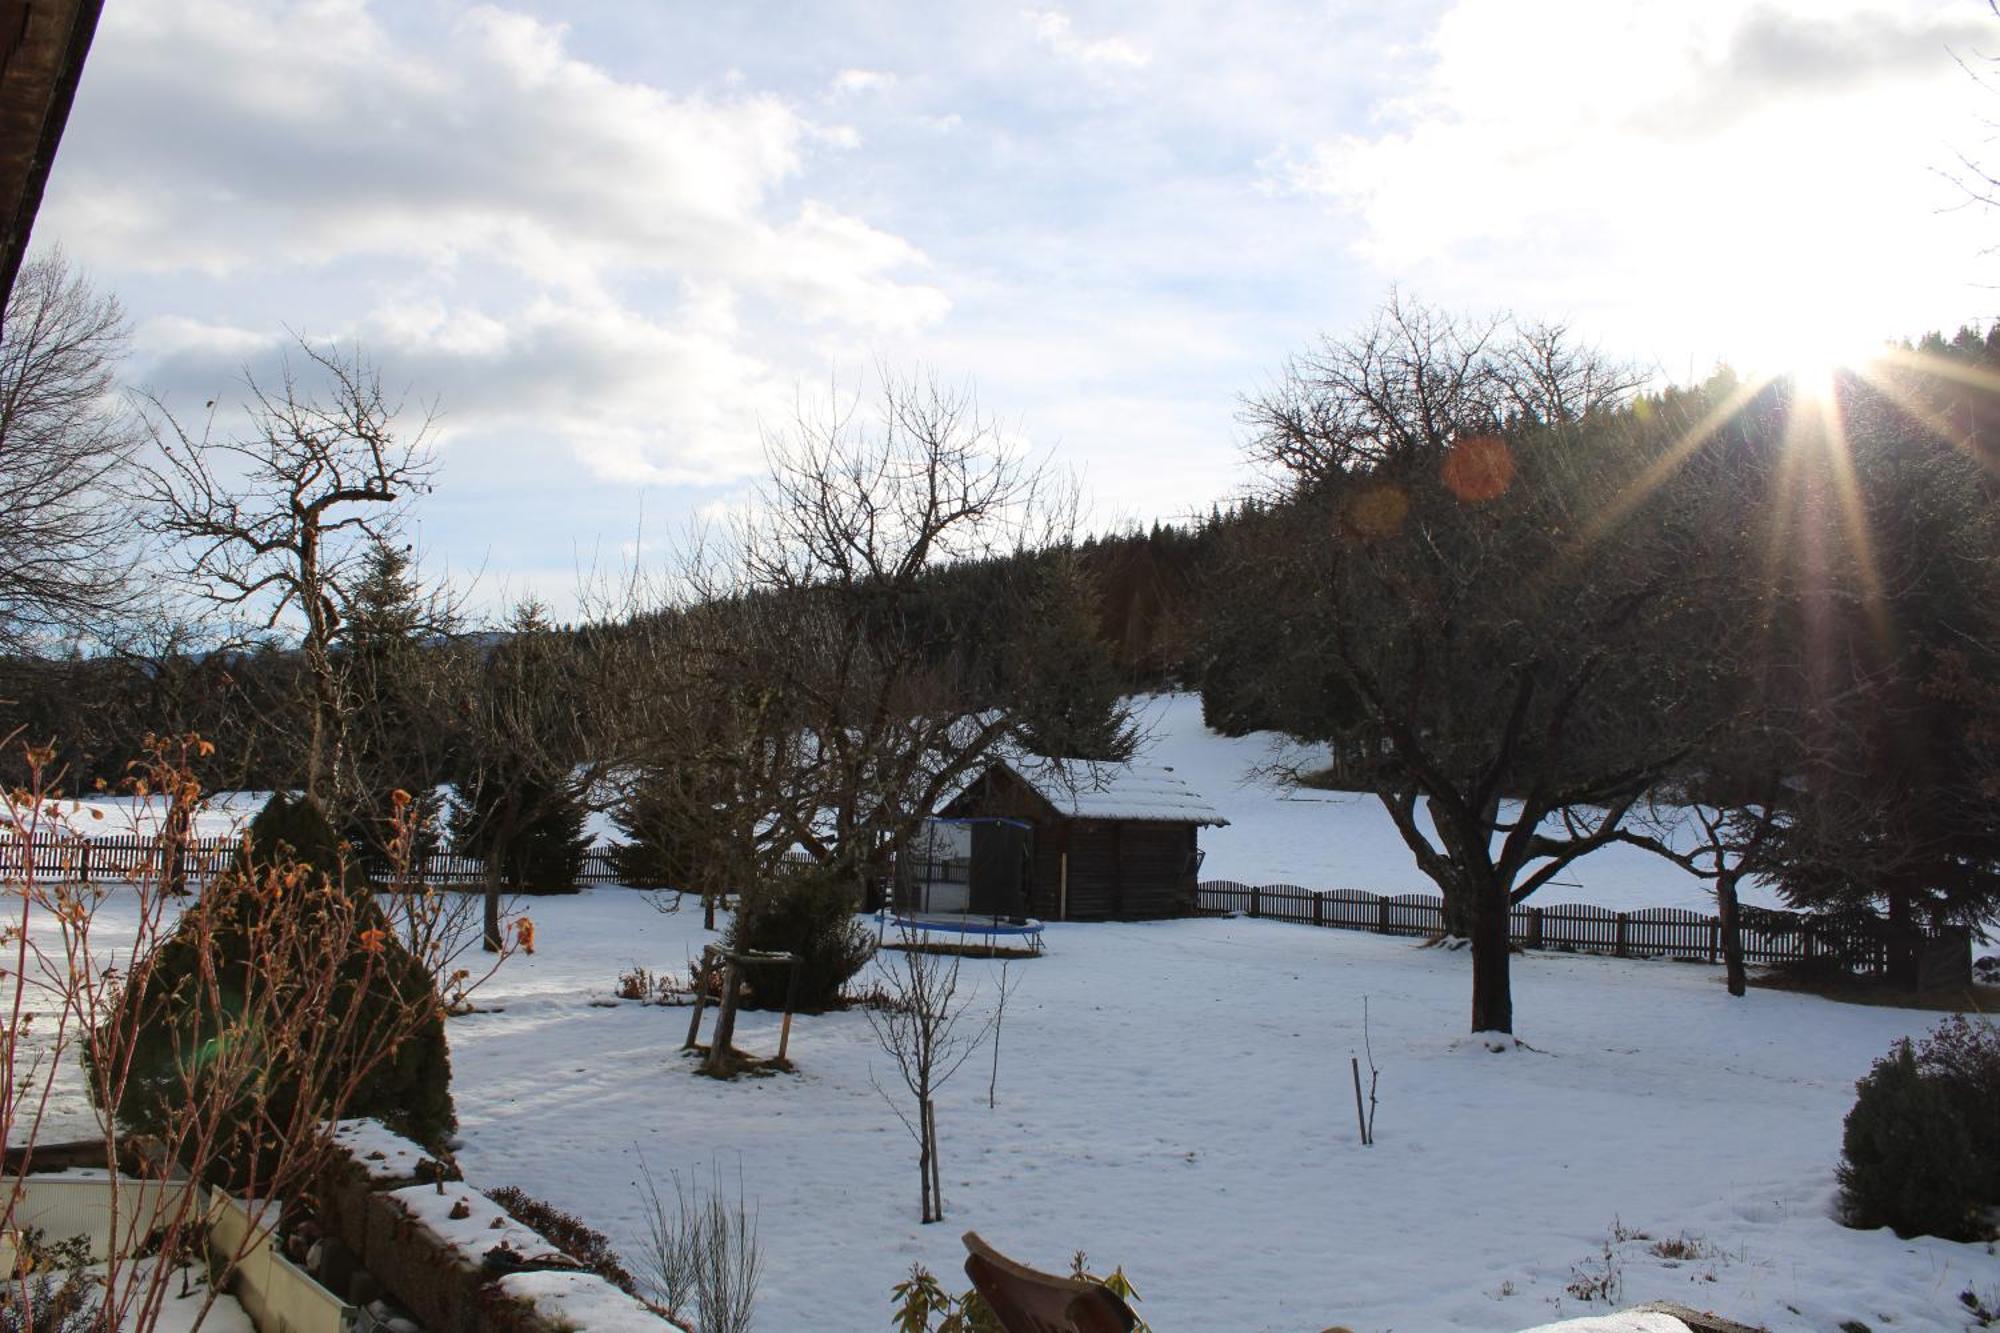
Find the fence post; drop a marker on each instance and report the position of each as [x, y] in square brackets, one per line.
[1534, 927]
[1714, 938]
[1621, 934]
[1256, 899]
[83, 863]
[1319, 909]
[1382, 915]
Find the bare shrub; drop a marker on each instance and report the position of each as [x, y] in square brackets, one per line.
[702, 1256]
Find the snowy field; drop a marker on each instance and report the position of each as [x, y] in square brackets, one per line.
[1175, 1097]
[1345, 840]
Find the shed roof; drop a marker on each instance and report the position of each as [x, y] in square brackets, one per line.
[1090, 789]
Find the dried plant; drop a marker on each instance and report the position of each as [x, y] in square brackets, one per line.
[259, 1066]
[702, 1257]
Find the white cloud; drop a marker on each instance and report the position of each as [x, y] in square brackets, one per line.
[1054, 30]
[501, 156]
[1675, 174]
[854, 82]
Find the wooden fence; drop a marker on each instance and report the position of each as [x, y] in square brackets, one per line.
[130, 856]
[1768, 936]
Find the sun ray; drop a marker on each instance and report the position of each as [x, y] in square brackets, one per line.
[1667, 464]
[1825, 420]
[1898, 392]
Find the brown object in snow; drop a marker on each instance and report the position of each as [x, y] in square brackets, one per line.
[1026, 1300]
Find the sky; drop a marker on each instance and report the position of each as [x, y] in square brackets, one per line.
[617, 243]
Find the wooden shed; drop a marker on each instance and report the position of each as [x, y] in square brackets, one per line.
[1111, 842]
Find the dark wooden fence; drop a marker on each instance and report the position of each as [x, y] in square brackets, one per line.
[1768, 936]
[130, 856]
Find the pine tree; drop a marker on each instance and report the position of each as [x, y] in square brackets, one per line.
[390, 639]
[545, 850]
[1070, 685]
[521, 804]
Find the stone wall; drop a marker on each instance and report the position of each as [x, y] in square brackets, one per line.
[400, 1223]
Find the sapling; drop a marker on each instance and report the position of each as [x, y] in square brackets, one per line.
[999, 1017]
[1365, 1119]
[920, 1031]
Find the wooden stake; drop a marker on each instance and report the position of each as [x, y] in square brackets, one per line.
[700, 999]
[791, 999]
[1360, 1118]
[725, 1022]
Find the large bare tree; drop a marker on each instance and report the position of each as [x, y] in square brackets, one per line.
[66, 447]
[834, 559]
[1493, 586]
[275, 521]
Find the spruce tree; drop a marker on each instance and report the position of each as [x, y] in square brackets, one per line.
[390, 646]
[546, 842]
[1070, 686]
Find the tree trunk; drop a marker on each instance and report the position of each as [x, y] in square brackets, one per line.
[1492, 989]
[490, 938]
[925, 1134]
[721, 1062]
[180, 824]
[1459, 914]
[500, 841]
[927, 1161]
[937, 1184]
[1731, 929]
[1902, 940]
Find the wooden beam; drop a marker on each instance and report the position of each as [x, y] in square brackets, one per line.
[42, 48]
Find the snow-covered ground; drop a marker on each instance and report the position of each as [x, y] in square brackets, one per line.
[1175, 1097]
[224, 813]
[1345, 840]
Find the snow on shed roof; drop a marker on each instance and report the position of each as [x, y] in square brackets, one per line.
[1090, 789]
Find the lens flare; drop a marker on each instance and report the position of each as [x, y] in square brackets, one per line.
[1478, 469]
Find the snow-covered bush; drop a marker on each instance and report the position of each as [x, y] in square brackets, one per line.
[809, 915]
[1908, 1158]
[44, 1303]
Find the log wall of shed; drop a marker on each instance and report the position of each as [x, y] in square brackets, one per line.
[1128, 870]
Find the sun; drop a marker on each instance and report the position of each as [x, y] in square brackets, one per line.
[1814, 366]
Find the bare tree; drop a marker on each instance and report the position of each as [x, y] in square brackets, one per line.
[920, 1030]
[834, 562]
[66, 449]
[713, 755]
[274, 522]
[1501, 588]
[1418, 379]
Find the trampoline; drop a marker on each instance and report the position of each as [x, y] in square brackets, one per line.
[966, 877]
[961, 924]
